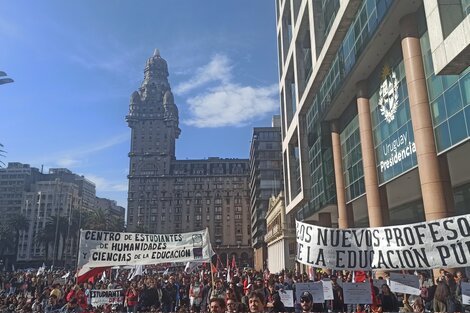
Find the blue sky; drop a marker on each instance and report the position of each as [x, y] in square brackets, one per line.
[76, 63]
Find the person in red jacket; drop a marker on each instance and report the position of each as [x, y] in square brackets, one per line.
[132, 297]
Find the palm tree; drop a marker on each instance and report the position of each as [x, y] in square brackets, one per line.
[57, 226]
[18, 222]
[7, 240]
[45, 237]
[101, 219]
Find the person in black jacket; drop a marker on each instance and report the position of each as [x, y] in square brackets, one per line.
[169, 295]
[388, 300]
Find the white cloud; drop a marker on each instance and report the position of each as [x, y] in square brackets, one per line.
[105, 185]
[228, 103]
[232, 105]
[218, 69]
[76, 156]
[67, 162]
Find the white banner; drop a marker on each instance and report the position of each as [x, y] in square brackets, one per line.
[405, 283]
[106, 296]
[435, 244]
[105, 248]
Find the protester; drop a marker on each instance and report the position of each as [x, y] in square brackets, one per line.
[217, 305]
[440, 297]
[195, 294]
[169, 295]
[131, 298]
[256, 301]
[233, 306]
[306, 302]
[388, 300]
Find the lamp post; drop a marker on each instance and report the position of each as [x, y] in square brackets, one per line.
[4, 79]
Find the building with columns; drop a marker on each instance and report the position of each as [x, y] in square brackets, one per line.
[375, 106]
[280, 236]
[167, 195]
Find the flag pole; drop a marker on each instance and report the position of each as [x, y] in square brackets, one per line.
[212, 276]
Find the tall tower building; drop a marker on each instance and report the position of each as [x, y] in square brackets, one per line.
[153, 119]
[167, 195]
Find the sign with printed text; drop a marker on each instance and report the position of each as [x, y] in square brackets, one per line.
[357, 293]
[404, 283]
[465, 293]
[106, 248]
[106, 296]
[379, 283]
[287, 298]
[314, 288]
[427, 245]
[327, 289]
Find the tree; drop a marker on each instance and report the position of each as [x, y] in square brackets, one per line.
[7, 239]
[57, 226]
[18, 222]
[100, 219]
[45, 237]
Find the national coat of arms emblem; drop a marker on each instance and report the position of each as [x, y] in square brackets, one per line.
[388, 94]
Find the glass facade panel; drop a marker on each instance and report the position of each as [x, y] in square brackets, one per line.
[438, 110]
[352, 160]
[449, 101]
[320, 157]
[453, 100]
[457, 128]
[441, 133]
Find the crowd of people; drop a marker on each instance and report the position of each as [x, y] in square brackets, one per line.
[200, 292]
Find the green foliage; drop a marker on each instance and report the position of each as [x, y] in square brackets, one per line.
[101, 220]
[10, 230]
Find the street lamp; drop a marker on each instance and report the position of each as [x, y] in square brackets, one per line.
[3, 79]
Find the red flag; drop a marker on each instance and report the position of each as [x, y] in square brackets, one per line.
[219, 261]
[359, 276]
[234, 264]
[213, 268]
[85, 275]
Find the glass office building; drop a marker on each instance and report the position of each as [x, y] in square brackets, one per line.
[375, 110]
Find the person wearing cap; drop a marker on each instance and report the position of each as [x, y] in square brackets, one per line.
[306, 302]
[307, 305]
